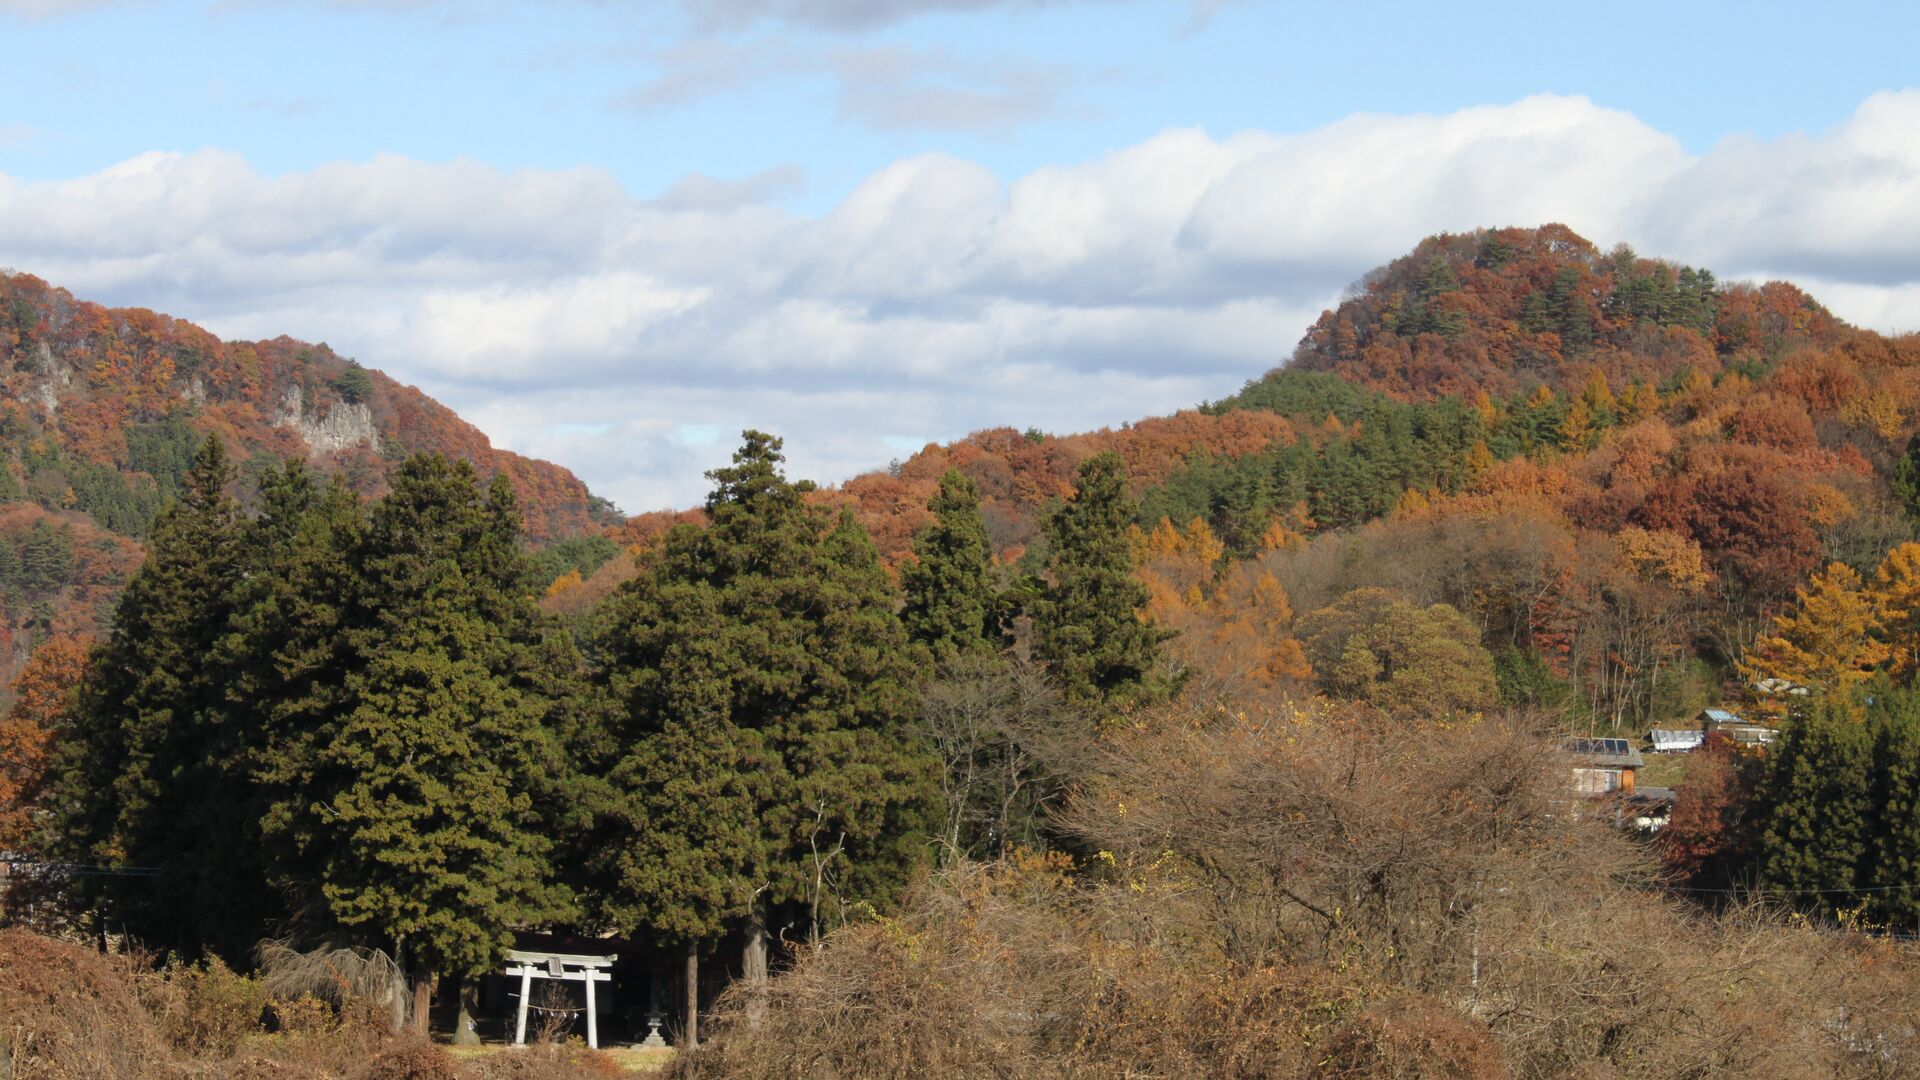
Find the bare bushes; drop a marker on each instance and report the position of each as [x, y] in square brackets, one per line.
[67, 1012]
[1013, 970]
[348, 979]
[985, 977]
[1328, 896]
[1411, 1038]
[204, 1010]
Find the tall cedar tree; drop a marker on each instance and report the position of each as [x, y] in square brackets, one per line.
[416, 804]
[154, 775]
[1087, 626]
[1893, 866]
[764, 705]
[1816, 809]
[949, 607]
[288, 656]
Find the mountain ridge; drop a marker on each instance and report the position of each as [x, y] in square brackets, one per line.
[100, 409]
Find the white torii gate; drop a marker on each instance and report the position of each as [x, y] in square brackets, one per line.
[565, 967]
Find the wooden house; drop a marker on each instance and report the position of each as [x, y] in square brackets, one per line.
[1602, 766]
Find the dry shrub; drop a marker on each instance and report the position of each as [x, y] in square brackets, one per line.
[971, 982]
[363, 981]
[202, 1010]
[1010, 971]
[553, 1012]
[302, 1016]
[69, 1012]
[410, 1059]
[1328, 895]
[1411, 1038]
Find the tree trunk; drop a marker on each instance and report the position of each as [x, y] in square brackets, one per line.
[422, 1000]
[753, 961]
[692, 1037]
[466, 991]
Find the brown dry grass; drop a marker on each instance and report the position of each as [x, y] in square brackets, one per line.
[68, 1012]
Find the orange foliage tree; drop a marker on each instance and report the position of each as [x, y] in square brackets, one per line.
[27, 732]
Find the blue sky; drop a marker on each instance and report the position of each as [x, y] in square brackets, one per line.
[612, 234]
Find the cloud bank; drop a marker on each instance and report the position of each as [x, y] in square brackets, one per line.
[631, 338]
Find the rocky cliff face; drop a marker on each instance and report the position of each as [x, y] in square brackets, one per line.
[344, 424]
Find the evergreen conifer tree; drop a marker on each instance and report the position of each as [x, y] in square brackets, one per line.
[419, 803]
[763, 697]
[1893, 864]
[1087, 627]
[949, 608]
[1816, 809]
[155, 773]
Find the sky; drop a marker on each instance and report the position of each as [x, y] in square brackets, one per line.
[615, 234]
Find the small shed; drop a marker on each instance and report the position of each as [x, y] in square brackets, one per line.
[1734, 727]
[1602, 766]
[1676, 740]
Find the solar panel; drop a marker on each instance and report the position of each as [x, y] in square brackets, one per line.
[1598, 746]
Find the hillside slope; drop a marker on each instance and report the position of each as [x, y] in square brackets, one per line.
[1491, 345]
[100, 412]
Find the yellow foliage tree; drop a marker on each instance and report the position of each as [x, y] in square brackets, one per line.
[1479, 459]
[1877, 411]
[1658, 555]
[1637, 402]
[1489, 412]
[1288, 531]
[1578, 429]
[1829, 641]
[1896, 589]
[569, 580]
[1597, 394]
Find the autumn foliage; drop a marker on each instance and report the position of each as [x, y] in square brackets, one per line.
[101, 408]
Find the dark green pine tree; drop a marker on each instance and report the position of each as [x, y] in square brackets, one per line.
[1087, 626]
[156, 777]
[762, 693]
[419, 807]
[1893, 855]
[1816, 810]
[950, 603]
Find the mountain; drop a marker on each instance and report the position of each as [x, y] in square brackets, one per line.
[1621, 470]
[101, 409]
[1498, 337]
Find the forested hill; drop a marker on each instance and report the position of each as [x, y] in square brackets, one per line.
[1493, 348]
[102, 409]
[1502, 311]
[1559, 442]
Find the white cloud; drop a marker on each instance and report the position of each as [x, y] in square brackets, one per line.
[886, 88]
[615, 333]
[895, 89]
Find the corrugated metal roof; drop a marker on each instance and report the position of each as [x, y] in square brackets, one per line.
[1669, 740]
